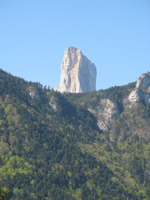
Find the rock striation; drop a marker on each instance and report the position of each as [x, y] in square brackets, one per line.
[142, 89]
[78, 73]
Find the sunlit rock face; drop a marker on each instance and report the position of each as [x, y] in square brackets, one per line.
[53, 103]
[143, 83]
[34, 95]
[78, 73]
[105, 112]
[142, 89]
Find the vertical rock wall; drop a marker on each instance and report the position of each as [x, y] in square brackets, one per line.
[78, 73]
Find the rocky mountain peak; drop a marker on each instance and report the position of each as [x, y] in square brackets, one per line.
[143, 82]
[78, 73]
[142, 89]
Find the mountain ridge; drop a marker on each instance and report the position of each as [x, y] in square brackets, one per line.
[48, 153]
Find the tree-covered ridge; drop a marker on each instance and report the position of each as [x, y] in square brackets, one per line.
[115, 94]
[62, 154]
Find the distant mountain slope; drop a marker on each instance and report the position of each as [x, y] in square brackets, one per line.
[52, 148]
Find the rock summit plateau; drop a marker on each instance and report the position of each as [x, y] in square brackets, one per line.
[78, 73]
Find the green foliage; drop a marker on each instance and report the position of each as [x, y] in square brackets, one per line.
[7, 109]
[18, 193]
[3, 191]
[62, 154]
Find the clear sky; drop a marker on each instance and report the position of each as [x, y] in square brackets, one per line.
[113, 34]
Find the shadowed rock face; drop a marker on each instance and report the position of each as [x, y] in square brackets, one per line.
[142, 89]
[78, 73]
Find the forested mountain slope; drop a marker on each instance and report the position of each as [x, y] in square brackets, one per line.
[52, 148]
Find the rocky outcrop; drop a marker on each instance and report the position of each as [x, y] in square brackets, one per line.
[1, 81]
[53, 103]
[34, 95]
[142, 89]
[105, 112]
[78, 73]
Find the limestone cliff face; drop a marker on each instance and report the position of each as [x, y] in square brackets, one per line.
[142, 89]
[78, 73]
[53, 103]
[105, 112]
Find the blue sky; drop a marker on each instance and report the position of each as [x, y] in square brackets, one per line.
[113, 34]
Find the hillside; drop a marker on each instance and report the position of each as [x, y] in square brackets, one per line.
[51, 146]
